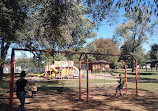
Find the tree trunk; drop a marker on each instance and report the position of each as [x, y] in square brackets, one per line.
[4, 51]
[132, 63]
[1, 72]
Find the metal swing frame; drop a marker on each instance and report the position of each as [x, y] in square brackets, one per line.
[81, 54]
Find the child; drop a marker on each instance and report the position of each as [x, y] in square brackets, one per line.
[119, 87]
[34, 91]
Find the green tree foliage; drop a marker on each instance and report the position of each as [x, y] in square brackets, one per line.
[105, 46]
[109, 9]
[140, 56]
[24, 62]
[12, 19]
[154, 51]
[62, 24]
[58, 23]
[133, 32]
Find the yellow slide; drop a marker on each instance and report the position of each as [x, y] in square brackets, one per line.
[55, 71]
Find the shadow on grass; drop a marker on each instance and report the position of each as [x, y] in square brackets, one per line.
[148, 100]
[4, 106]
[55, 89]
[142, 80]
[145, 73]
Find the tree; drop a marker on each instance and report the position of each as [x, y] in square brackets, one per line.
[154, 51]
[24, 62]
[12, 19]
[50, 24]
[58, 25]
[62, 24]
[140, 56]
[109, 9]
[64, 21]
[104, 46]
[133, 31]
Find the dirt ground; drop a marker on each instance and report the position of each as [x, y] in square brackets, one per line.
[100, 99]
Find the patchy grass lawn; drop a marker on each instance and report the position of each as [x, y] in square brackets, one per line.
[52, 94]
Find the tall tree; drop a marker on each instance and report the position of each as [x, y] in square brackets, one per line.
[50, 24]
[154, 51]
[63, 24]
[140, 56]
[12, 19]
[134, 31]
[104, 46]
[58, 20]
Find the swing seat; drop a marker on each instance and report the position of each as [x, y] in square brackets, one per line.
[123, 86]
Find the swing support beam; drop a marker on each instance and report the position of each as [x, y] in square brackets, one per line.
[80, 77]
[81, 53]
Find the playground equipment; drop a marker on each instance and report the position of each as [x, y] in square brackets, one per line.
[108, 71]
[61, 69]
[81, 53]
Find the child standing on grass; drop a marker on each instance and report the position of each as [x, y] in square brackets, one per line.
[119, 87]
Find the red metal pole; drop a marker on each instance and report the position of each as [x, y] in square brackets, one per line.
[68, 69]
[79, 79]
[136, 76]
[87, 82]
[12, 80]
[126, 73]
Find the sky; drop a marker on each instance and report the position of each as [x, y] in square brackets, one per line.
[107, 31]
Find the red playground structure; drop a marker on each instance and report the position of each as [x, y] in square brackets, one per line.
[81, 54]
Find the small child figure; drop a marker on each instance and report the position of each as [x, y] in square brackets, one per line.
[119, 87]
[34, 91]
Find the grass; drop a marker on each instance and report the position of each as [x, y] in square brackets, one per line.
[72, 83]
[151, 87]
[146, 81]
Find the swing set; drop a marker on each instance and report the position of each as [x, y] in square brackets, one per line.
[81, 54]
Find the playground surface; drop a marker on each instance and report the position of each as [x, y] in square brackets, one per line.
[52, 97]
[100, 100]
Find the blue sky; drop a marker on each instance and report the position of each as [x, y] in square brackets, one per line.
[106, 31]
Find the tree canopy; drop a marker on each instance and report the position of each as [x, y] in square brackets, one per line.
[154, 51]
[104, 46]
[61, 24]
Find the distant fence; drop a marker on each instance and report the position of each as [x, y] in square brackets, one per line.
[28, 70]
[18, 69]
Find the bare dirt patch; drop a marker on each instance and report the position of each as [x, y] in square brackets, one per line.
[100, 99]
